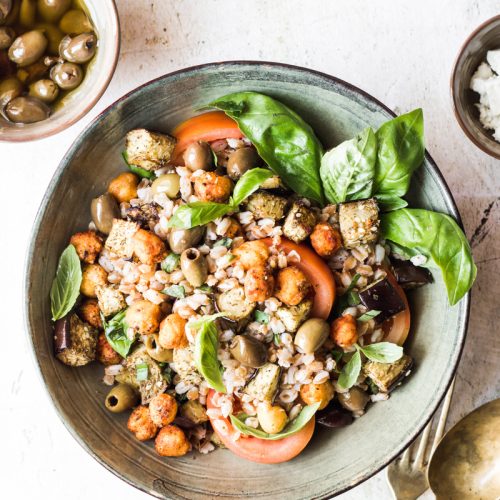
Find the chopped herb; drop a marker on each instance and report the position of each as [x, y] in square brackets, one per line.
[277, 339]
[141, 372]
[372, 385]
[230, 257]
[337, 355]
[214, 156]
[343, 301]
[167, 374]
[369, 315]
[353, 298]
[171, 262]
[223, 242]
[205, 288]
[176, 291]
[261, 317]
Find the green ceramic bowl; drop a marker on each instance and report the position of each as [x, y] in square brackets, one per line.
[335, 460]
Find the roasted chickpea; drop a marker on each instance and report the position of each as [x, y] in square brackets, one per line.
[344, 331]
[259, 284]
[252, 254]
[272, 419]
[143, 316]
[212, 187]
[171, 442]
[92, 275]
[148, 248]
[163, 409]
[90, 313]
[292, 286]
[124, 187]
[105, 353]
[172, 332]
[88, 245]
[234, 229]
[141, 424]
[317, 393]
[325, 239]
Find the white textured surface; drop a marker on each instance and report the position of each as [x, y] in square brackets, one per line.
[397, 50]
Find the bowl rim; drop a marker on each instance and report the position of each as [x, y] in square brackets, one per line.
[62, 165]
[34, 135]
[454, 98]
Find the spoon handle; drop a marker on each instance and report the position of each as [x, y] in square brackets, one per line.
[443, 417]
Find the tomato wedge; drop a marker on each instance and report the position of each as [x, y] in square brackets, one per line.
[396, 329]
[255, 449]
[317, 272]
[207, 127]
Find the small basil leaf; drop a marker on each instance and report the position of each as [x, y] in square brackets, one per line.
[337, 355]
[249, 182]
[66, 285]
[369, 315]
[141, 372]
[353, 298]
[277, 339]
[224, 242]
[261, 317]
[350, 373]
[171, 262]
[141, 172]
[383, 352]
[116, 333]
[390, 203]
[198, 213]
[176, 291]
[343, 300]
[209, 318]
[293, 427]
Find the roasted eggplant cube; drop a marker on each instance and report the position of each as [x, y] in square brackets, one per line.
[75, 341]
[266, 206]
[387, 375]
[382, 296]
[265, 383]
[410, 276]
[293, 316]
[359, 222]
[299, 222]
[149, 150]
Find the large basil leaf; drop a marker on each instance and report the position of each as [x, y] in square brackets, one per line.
[66, 285]
[282, 138]
[438, 237]
[249, 183]
[292, 428]
[382, 352]
[116, 333]
[347, 170]
[388, 203]
[198, 213]
[400, 152]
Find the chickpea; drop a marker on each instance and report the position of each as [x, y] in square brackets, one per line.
[344, 331]
[234, 229]
[272, 419]
[252, 254]
[124, 187]
[141, 424]
[171, 442]
[88, 245]
[172, 332]
[259, 284]
[317, 393]
[325, 239]
[90, 313]
[143, 316]
[148, 248]
[105, 353]
[92, 275]
[212, 187]
[163, 409]
[292, 286]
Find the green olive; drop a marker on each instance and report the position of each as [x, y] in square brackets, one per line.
[182, 239]
[240, 161]
[120, 398]
[156, 351]
[7, 36]
[248, 351]
[53, 34]
[168, 184]
[10, 88]
[67, 75]
[353, 400]
[103, 210]
[79, 49]
[27, 13]
[26, 110]
[194, 267]
[5, 9]
[75, 22]
[32, 73]
[45, 90]
[52, 10]
[28, 48]
[198, 156]
[312, 335]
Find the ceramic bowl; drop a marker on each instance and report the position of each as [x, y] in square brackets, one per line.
[335, 460]
[99, 73]
[472, 54]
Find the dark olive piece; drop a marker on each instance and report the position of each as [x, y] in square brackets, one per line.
[410, 276]
[240, 161]
[62, 334]
[382, 296]
[7, 36]
[52, 10]
[5, 8]
[79, 49]
[194, 267]
[10, 88]
[103, 210]
[120, 398]
[182, 239]
[67, 75]
[248, 351]
[26, 110]
[28, 48]
[198, 156]
[33, 72]
[45, 90]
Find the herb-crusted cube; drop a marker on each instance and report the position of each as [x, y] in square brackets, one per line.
[265, 384]
[185, 366]
[266, 206]
[293, 316]
[75, 341]
[235, 304]
[149, 150]
[111, 300]
[387, 375]
[359, 222]
[120, 239]
[299, 222]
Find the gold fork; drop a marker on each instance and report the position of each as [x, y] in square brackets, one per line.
[407, 475]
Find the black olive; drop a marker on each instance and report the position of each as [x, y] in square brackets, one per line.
[334, 416]
[410, 276]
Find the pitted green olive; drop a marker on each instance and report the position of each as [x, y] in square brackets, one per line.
[5, 9]
[156, 351]
[312, 335]
[79, 49]
[10, 88]
[53, 34]
[240, 161]
[168, 184]
[354, 400]
[52, 10]
[198, 156]
[67, 75]
[120, 398]
[27, 13]
[248, 351]
[75, 22]
[45, 90]
[26, 110]
[7, 36]
[28, 48]
[103, 210]
[194, 267]
[182, 239]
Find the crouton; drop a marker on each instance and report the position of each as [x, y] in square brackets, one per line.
[111, 300]
[148, 150]
[120, 239]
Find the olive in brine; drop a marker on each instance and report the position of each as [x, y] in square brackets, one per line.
[54, 36]
[27, 13]
[67, 75]
[240, 161]
[248, 351]
[194, 267]
[45, 90]
[198, 156]
[28, 48]
[168, 184]
[5, 8]
[75, 22]
[26, 110]
[120, 398]
[52, 10]
[7, 36]
[79, 49]
[182, 239]
[32, 73]
[10, 88]
[103, 210]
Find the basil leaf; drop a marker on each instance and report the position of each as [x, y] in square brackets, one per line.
[347, 170]
[198, 213]
[65, 288]
[369, 315]
[209, 318]
[277, 339]
[223, 242]
[400, 152]
[383, 352]
[389, 203]
[282, 138]
[437, 237]
[171, 262]
[261, 317]
[353, 298]
[249, 182]
[205, 288]
[141, 372]
[337, 355]
[343, 300]
[141, 172]
[350, 373]
[176, 291]
[116, 333]
[292, 428]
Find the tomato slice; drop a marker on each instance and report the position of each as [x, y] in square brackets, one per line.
[317, 272]
[396, 329]
[207, 127]
[255, 449]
